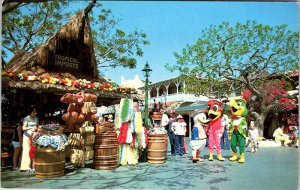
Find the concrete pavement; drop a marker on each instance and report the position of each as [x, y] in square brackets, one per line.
[273, 168]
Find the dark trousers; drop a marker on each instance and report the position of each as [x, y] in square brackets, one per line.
[225, 144]
[172, 141]
[179, 141]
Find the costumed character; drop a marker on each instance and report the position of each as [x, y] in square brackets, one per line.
[132, 135]
[199, 137]
[216, 128]
[238, 127]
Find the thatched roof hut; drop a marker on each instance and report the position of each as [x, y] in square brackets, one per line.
[66, 62]
[36, 60]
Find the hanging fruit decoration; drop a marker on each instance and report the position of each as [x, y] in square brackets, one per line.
[79, 83]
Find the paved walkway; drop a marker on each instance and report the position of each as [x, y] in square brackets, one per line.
[273, 168]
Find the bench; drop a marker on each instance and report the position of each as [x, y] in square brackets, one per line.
[6, 148]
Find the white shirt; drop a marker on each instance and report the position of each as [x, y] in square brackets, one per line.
[164, 120]
[179, 128]
[253, 134]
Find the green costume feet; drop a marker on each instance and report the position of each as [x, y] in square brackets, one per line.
[242, 159]
[234, 157]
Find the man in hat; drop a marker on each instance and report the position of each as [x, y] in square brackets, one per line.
[179, 129]
[170, 132]
[164, 119]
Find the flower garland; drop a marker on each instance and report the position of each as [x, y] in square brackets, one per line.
[79, 83]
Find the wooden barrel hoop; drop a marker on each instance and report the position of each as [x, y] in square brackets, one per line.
[49, 162]
[106, 151]
[157, 148]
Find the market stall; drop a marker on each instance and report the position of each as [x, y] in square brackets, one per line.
[65, 63]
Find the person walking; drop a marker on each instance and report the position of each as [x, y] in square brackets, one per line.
[253, 137]
[179, 129]
[170, 131]
[17, 142]
[225, 144]
[30, 125]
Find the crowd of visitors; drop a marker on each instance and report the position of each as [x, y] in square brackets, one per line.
[177, 128]
[26, 129]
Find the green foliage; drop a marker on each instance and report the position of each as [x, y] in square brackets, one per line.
[125, 109]
[118, 48]
[240, 53]
[32, 24]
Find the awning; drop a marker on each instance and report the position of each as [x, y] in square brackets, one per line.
[192, 108]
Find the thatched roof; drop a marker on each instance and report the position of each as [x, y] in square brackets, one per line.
[35, 61]
[34, 65]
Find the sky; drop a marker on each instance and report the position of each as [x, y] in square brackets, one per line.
[170, 26]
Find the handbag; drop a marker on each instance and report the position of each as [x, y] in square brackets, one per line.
[86, 108]
[90, 97]
[80, 118]
[69, 98]
[93, 117]
[71, 107]
[93, 108]
[87, 127]
[80, 98]
[73, 119]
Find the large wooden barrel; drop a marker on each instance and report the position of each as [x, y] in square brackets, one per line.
[49, 162]
[156, 116]
[106, 151]
[157, 148]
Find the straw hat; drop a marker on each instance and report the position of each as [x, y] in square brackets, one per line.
[179, 117]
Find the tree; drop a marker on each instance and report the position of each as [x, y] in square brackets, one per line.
[29, 25]
[275, 99]
[113, 46]
[10, 5]
[245, 54]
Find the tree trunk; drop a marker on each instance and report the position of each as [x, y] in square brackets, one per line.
[260, 124]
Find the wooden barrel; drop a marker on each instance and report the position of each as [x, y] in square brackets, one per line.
[49, 162]
[106, 151]
[157, 148]
[156, 116]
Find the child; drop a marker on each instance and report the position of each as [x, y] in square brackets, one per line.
[32, 156]
[199, 137]
[32, 151]
[253, 137]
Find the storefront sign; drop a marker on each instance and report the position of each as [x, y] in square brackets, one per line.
[66, 62]
[63, 62]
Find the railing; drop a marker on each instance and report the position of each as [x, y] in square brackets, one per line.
[180, 97]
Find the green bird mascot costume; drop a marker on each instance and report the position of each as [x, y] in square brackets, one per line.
[238, 127]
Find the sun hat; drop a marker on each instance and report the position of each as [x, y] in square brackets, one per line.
[179, 117]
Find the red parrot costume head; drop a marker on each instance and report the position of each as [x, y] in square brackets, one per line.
[215, 109]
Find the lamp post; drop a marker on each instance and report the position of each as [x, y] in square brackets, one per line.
[146, 73]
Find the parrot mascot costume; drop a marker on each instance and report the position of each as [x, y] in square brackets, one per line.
[238, 127]
[216, 128]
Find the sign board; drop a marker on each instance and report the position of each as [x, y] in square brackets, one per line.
[63, 62]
